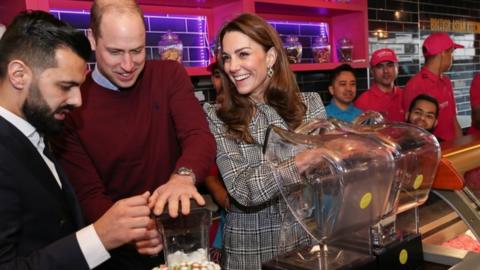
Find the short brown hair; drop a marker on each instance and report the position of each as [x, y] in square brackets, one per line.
[100, 7]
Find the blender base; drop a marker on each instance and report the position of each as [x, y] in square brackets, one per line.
[403, 254]
[334, 259]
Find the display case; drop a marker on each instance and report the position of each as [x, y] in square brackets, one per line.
[344, 19]
[450, 220]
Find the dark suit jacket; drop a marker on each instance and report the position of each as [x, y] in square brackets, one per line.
[38, 220]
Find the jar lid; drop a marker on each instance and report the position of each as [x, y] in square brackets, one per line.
[345, 42]
[291, 38]
[169, 35]
[320, 41]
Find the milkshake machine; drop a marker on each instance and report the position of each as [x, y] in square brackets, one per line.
[365, 174]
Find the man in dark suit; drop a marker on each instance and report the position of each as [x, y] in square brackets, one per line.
[42, 65]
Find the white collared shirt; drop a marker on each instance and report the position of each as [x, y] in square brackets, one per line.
[88, 240]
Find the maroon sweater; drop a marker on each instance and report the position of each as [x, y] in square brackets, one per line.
[120, 144]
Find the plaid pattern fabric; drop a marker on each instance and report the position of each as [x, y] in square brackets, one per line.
[253, 226]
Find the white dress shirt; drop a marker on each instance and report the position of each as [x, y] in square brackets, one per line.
[88, 240]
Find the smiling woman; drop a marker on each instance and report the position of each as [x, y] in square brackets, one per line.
[256, 64]
[259, 90]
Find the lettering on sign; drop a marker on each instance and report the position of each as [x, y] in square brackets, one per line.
[461, 26]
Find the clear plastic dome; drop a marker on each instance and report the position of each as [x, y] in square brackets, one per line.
[362, 173]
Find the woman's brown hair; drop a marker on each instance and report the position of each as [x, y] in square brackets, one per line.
[282, 92]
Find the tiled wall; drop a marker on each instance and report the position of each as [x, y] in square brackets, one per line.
[405, 24]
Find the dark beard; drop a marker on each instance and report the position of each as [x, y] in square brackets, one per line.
[39, 114]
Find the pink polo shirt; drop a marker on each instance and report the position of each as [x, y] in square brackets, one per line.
[439, 87]
[389, 104]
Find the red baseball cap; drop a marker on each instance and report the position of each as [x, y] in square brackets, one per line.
[383, 55]
[438, 42]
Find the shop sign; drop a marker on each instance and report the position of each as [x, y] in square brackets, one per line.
[447, 25]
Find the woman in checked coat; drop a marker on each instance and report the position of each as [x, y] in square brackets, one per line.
[259, 90]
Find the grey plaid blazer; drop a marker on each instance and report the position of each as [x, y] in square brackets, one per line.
[253, 225]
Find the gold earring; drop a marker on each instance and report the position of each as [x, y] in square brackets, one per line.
[270, 72]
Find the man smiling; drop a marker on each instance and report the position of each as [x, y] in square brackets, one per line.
[140, 129]
[423, 112]
[343, 88]
[383, 96]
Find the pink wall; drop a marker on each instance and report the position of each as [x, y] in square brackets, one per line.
[10, 8]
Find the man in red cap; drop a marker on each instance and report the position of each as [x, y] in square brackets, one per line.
[383, 96]
[475, 103]
[438, 51]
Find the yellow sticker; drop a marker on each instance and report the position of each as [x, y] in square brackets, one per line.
[403, 257]
[418, 181]
[366, 200]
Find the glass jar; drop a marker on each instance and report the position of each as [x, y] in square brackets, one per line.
[321, 50]
[170, 47]
[185, 238]
[345, 48]
[293, 48]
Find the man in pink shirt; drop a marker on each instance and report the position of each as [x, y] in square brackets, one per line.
[383, 96]
[438, 51]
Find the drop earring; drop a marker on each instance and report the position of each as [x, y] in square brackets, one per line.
[270, 72]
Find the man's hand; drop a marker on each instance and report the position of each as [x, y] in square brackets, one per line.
[179, 188]
[152, 242]
[126, 221]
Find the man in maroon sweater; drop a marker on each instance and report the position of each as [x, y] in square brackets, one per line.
[140, 128]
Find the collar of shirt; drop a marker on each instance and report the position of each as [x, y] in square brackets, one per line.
[21, 124]
[33, 136]
[334, 106]
[426, 73]
[378, 92]
[102, 80]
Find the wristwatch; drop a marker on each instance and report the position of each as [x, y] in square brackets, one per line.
[188, 172]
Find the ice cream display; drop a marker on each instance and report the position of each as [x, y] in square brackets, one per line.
[466, 241]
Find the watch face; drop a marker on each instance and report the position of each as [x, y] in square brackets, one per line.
[184, 171]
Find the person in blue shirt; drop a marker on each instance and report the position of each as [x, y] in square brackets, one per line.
[343, 88]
